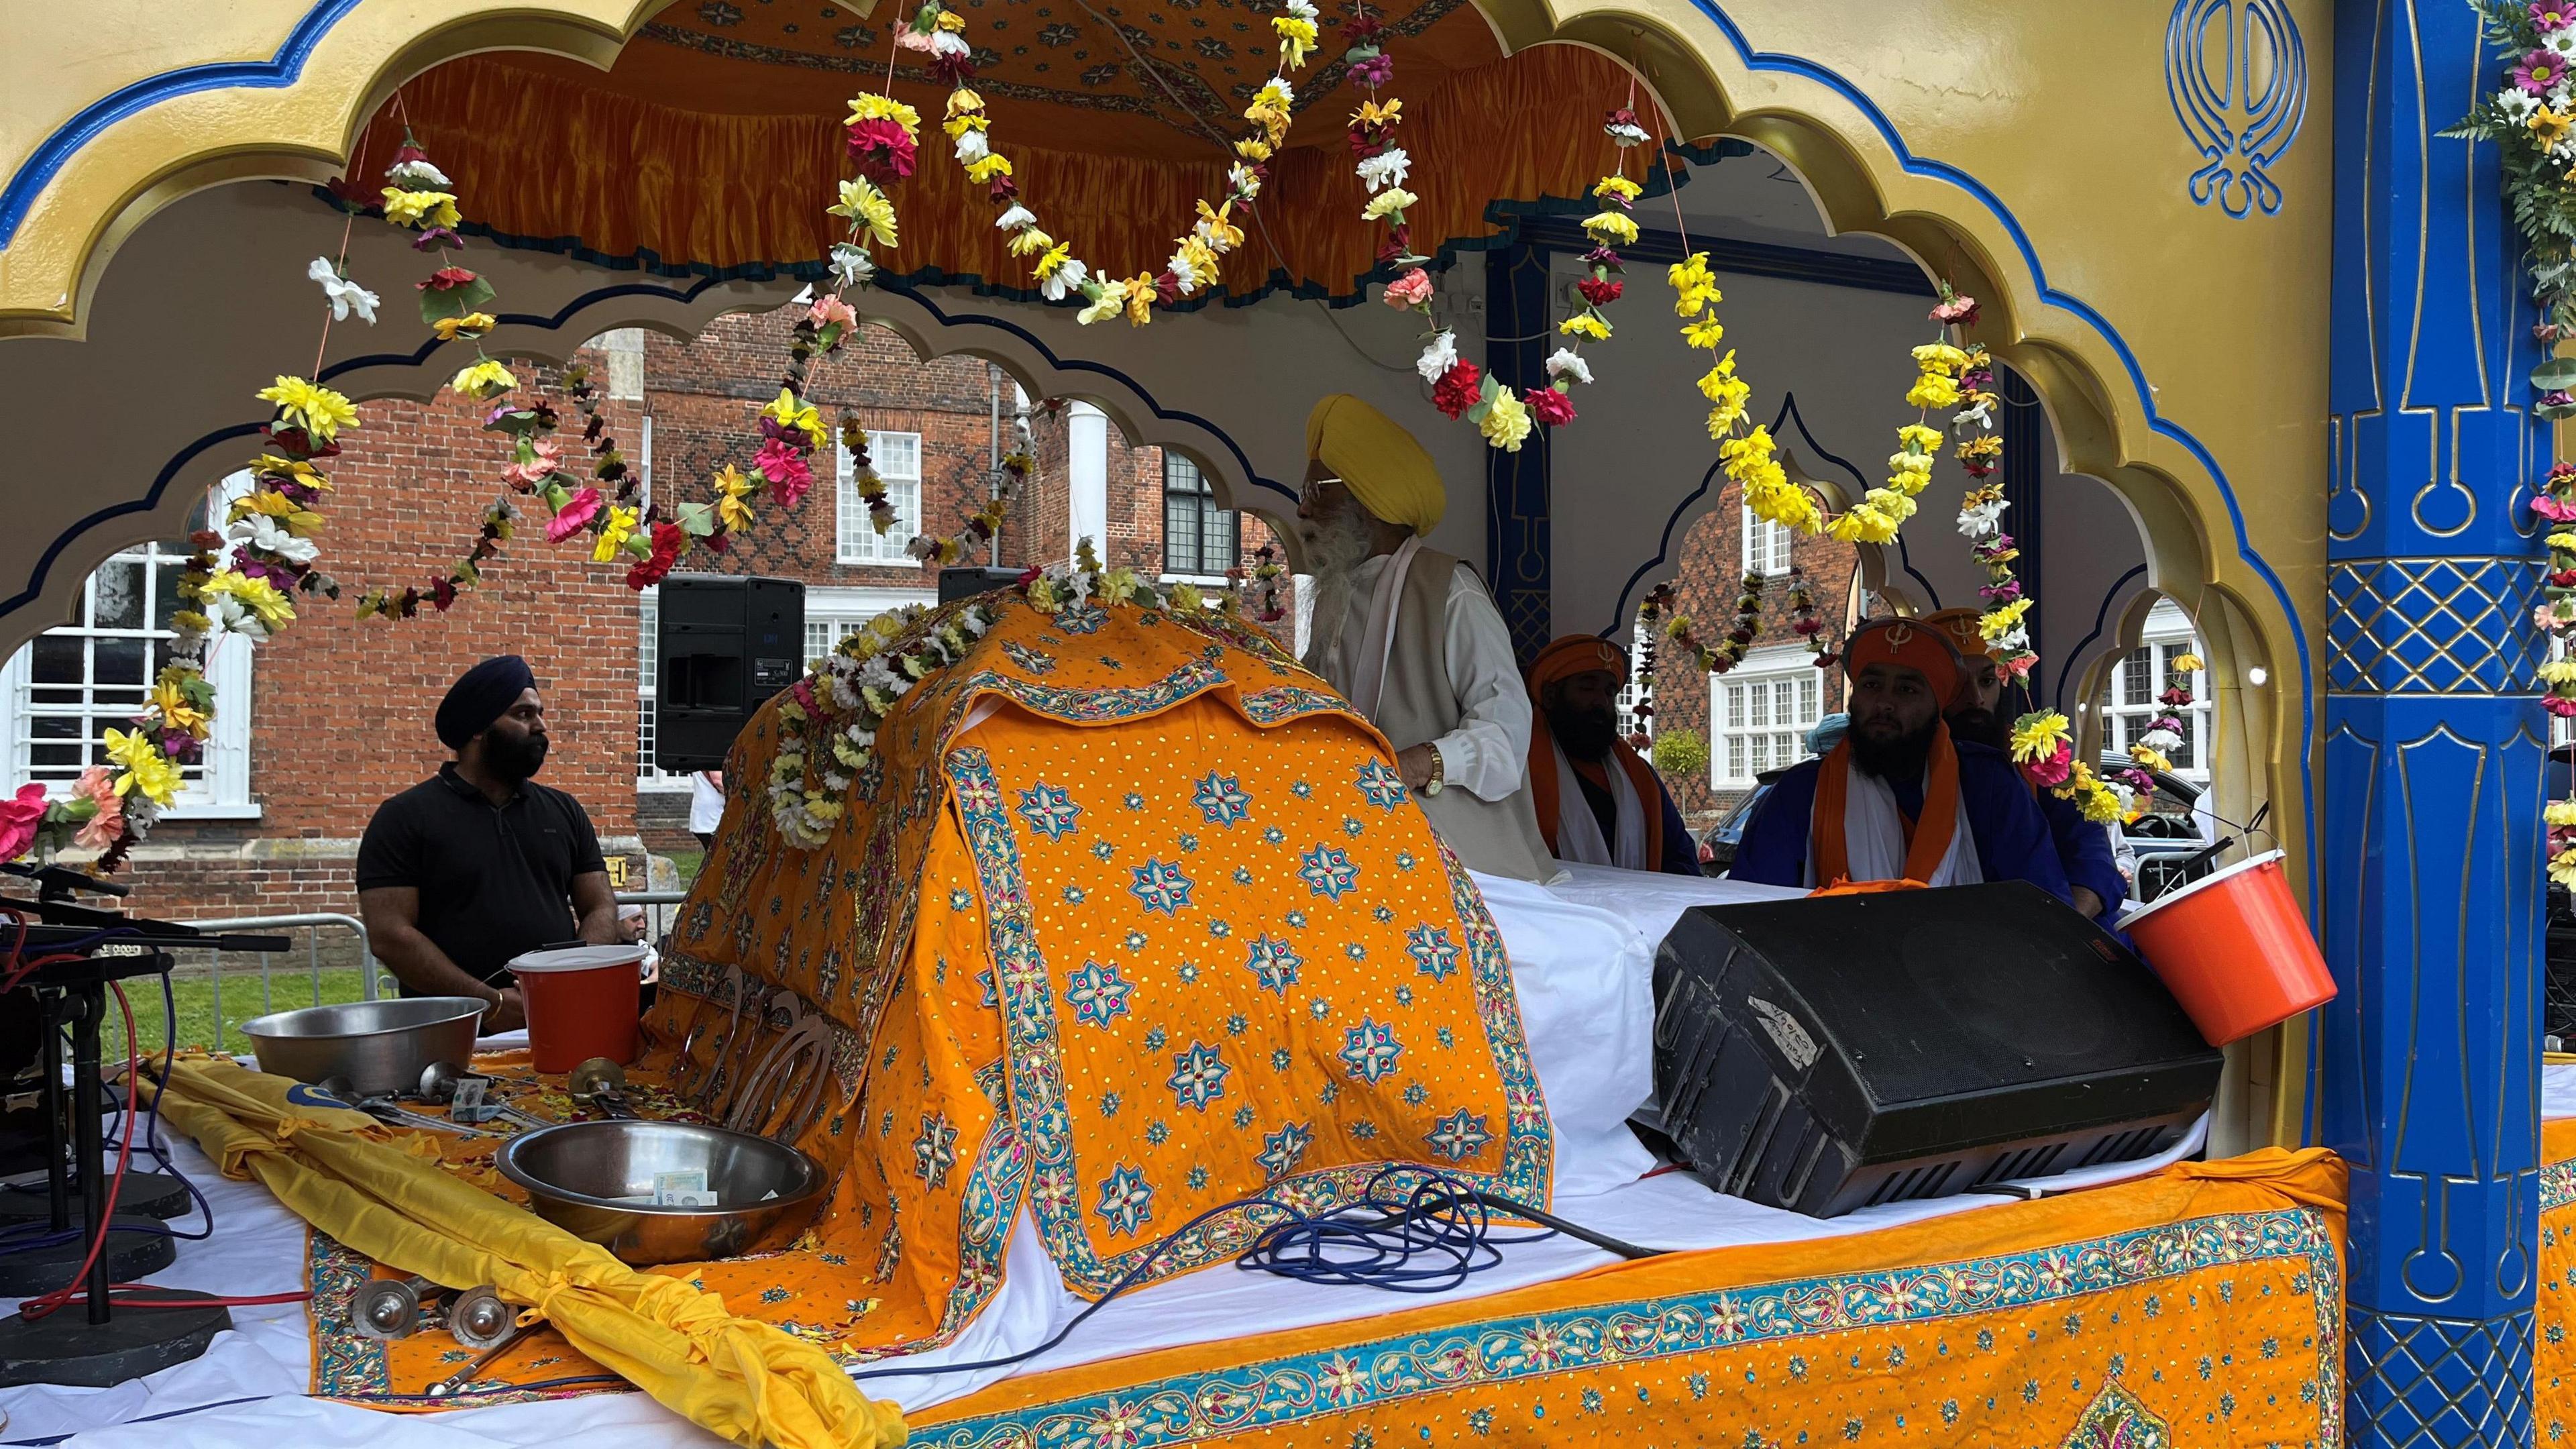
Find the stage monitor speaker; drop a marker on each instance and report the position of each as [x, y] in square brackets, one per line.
[725, 644]
[966, 581]
[1839, 1052]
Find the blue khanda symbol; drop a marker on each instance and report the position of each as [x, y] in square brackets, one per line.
[2238, 75]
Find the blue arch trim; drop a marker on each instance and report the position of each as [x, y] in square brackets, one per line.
[1914, 165]
[2101, 621]
[50, 156]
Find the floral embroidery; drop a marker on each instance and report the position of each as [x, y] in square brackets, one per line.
[1221, 799]
[1273, 964]
[1460, 1135]
[1381, 785]
[1282, 1150]
[1097, 994]
[1126, 1200]
[1327, 872]
[1161, 887]
[1432, 951]
[1200, 1077]
[1370, 1051]
[1049, 811]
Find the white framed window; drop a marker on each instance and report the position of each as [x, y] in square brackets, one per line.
[832, 615]
[2129, 700]
[1200, 540]
[1630, 722]
[1766, 545]
[1759, 714]
[897, 458]
[649, 775]
[62, 692]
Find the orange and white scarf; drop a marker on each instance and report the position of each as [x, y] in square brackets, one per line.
[1857, 834]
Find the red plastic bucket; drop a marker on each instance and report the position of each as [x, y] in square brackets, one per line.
[2234, 948]
[583, 1002]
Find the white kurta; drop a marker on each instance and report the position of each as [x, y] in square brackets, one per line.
[1489, 751]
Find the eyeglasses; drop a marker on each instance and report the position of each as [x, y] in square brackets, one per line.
[1313, 488]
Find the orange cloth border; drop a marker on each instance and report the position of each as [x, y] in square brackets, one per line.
[1924, 846]
[2553, 1359]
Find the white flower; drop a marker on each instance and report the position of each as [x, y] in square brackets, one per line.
[1983, 415]
[1245, 184]
[1566, 362]
[2560, 43]
[2163, 742]
[851, 265]
[2517, 105]
[264, 534]
[1983, 521]
[1624, 134]
[417, 176]
[1440, 355]
[1386, 168]
[1184, 275]
[346, 296]
[1302, 9]
[949, 42]
[1064, 281]
[1386, 203]
[1276, 92]
[970, 146]
[1016, 218]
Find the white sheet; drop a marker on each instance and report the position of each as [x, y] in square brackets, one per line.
[1581, 953]
[2557, 1092]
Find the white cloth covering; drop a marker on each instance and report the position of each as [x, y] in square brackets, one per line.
[1582, 955]
[1578, 830]
[706, 803]
[1874, 837]
[1489, 750]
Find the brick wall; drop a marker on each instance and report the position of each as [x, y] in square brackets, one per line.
[1711, 568]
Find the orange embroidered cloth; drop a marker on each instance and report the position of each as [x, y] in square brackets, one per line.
[2553, 1360]
[2200, 1306]
[1129, 919]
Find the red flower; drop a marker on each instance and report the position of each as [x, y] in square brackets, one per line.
[1005, 190]
[668, 540]
[1362, 28]
[448, 279]
[952, 70]
[1549, 406]
[2563, 579]
[409, 153]
[1457, 389]
[884, 153]
[296, 443]
[442, 594]
[1167, 288]
[1600, 291]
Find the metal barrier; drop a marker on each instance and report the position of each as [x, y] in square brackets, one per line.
[659, 910]
[186, 971]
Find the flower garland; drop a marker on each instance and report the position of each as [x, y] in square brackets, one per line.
[2555, 501]
[2532, 120]
[1806, 623]
[832, 715]
[2042, 741]
[1730, 648]
[1265, 574]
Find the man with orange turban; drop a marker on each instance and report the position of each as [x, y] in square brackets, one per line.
[1599, 803]
[1898, 799]
[1412, 639]
[1977, 713]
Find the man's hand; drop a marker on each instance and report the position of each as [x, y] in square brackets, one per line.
[1415, 766]
[2089, 903]
[510, 1013]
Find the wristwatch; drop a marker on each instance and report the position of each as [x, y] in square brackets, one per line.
[1439, 772]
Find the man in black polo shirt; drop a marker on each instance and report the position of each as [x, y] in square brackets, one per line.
[464, 871]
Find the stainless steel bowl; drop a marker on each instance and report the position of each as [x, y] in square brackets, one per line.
[380, 1046]
[584, 1177]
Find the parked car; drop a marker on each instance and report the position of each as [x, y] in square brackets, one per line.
[1717, 844]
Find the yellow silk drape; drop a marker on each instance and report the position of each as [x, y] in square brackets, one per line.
[737, 1377]
[538, 156]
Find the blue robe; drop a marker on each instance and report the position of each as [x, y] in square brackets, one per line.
[2011, 833]
[2084, 849]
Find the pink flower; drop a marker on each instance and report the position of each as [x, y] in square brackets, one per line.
[832, 311]
[570, 519]
[526, 476]
[2054, 769]
[1962, 310]
[97, 784]
[884, 153]
[907, 38]
[1549, 406]
[19, 817]
[2538, 71]
[2546, 617]
[2550, 507]
[2563, 708]
[2552, 14]
[1410, 290]
[787, 471]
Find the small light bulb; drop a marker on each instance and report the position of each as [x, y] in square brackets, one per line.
[2256, 675]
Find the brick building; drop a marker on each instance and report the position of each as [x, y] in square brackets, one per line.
[317, 726]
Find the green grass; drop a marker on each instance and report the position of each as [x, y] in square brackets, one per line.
[194, 991]
[687, 863]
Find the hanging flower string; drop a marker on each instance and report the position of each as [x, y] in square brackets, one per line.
[986, 521]
[2531, 118]
[1806, 623]
[1264, 576]
[2554, 502]
[2042, 741]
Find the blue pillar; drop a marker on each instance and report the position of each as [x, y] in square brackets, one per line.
[1517, 548]
[2431, 759]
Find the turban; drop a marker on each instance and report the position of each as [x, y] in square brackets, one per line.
[1908, 643]
[1959, 626]
[1385, 469]
[1572, 655]
[481, 695]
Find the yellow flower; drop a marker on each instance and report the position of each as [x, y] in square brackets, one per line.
[1216, 226]
[869, 210]
[176, 712]
[985, 168]
[1118, 585]
[793, 412]
[1371, 113]
[1915, 435]
[1140, 300]
[2185, 663]
[419, 208]
[2562, 539]
[1056, 257]
[2100, 805]
[1619, 186]
[1694, 289]
[1909, 471]
[1186, 596]
[1611, 228]
[1784, 503]
[317, 410]
[301, 522]
[952, 22]
[1933, 390]
[2148, 757]
[1108, 302]
[1029, 239]
[1296, 39]
[484, 380]
[1506, 423]
[472, 324]
[145, 767]
[732, 487]
[1707, 332]
[2548, 127]
[613, 535]
[1585, 324]
[1253, 148]
[2037, 736]
[962, 122]
[1997, 624]
[887, 108]
[1940, 357]
[962, 100]
[273, 609]
[291, 470]
[2559, 812]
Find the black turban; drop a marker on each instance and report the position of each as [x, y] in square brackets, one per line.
[481, 695]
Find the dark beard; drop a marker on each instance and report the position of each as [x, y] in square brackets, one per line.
[1981, 727]
[513, 757]
[1585, 735]
[1901, 758]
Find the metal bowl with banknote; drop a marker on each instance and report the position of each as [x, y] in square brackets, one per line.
[634, 1188]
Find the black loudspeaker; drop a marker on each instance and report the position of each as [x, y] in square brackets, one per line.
[724, 645]
[1844, 1051]
[965, 582]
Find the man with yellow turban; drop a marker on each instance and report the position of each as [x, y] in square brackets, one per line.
[1599, 802]
[1410, 636]
[1977, 714]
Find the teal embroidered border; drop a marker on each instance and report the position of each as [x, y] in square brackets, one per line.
[2557, 1185]
[1382, 1372]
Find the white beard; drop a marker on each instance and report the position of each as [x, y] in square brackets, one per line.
[1335, 548]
